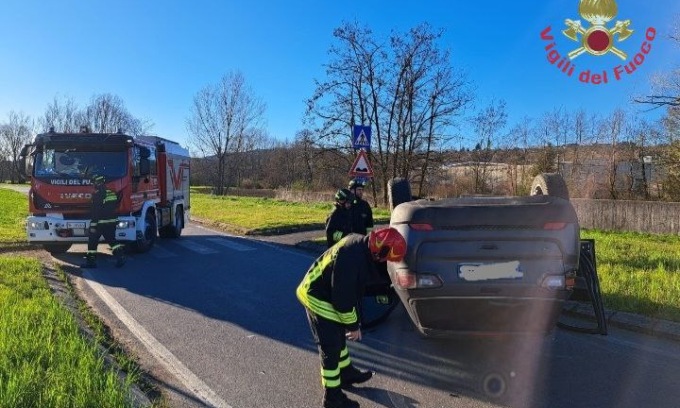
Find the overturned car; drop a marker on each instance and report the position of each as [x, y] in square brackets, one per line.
[486, 266]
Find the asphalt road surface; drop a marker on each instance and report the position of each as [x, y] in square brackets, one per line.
[216, 319]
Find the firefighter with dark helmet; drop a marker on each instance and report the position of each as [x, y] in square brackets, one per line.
[362, 214]
[103, 222]
[339, 222]
[331, 291]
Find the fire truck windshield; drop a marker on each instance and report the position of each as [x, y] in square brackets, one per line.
[76, 163]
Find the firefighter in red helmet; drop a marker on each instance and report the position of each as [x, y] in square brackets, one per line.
[330, 293]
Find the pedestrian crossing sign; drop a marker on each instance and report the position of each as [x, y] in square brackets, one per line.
[361, 167]
[361, 137]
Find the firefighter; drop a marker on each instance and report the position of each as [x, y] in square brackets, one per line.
[330, 292]
[362, 215]
[339, 222]
[103, 222]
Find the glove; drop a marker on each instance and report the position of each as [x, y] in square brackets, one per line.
[93, 230]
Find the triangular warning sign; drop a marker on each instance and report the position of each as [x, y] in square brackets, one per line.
[361, 166]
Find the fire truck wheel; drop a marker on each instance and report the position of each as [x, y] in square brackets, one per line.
[175, 230]
[145, 241]
[56, 249]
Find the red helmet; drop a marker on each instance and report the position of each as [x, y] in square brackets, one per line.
[387, 244]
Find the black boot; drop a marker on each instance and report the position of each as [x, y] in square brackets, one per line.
[350, 375]
[335, 398]
[119, 254]
[90, 262]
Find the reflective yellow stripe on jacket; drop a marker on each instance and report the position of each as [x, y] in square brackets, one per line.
[321, 307]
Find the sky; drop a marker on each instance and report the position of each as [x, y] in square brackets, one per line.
[157, 55]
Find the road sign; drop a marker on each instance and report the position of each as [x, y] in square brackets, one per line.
[361, 167]
[361, 137]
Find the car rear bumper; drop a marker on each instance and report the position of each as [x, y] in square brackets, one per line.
[484, 315]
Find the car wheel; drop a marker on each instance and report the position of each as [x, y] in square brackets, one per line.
[551, 184]
[398, 191]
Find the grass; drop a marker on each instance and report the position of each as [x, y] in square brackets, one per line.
[14, 211]
[639, 273]
[250, 215]
[44, 359]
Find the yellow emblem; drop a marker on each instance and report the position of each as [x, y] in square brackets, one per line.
[597, 39]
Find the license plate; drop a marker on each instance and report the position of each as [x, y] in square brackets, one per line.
[75, 225]
[488, 271]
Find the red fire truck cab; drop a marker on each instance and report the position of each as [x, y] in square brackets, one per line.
[149, 174]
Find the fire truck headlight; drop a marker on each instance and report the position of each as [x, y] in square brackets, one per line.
[125, 224]
[38, 225]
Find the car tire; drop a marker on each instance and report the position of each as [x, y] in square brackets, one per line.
[398, 191]
[551, 184]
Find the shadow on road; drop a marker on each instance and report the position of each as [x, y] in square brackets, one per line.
[254, 289]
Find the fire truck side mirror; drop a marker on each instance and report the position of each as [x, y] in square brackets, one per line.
[22, 160]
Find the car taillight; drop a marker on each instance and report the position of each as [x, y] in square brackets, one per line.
[406, 280]
[553, 226]
[421, 227]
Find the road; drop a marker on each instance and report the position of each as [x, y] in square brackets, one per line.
[214, 317]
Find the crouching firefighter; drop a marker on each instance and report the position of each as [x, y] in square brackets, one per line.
[103, 222]
[330, 292]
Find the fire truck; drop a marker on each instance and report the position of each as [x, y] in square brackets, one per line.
[149, 174]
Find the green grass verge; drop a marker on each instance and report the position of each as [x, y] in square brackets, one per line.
[639, 273]
[250, 215]
[44, 359]
[12, 217]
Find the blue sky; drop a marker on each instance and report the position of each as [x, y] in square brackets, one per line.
[156, 55]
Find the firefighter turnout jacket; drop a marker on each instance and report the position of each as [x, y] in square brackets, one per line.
[335, 282]
[338, 224]
[104, 204]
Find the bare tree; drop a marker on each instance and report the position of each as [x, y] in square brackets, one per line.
[665, 86]
[14, 134]
[406, 90]
[63, 115]
[488, 123]
[612, 132]
[225, 120]
[107, 113]
[517, 144]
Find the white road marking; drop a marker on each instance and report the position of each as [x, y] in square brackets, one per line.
[160, 252]
[160, 352]
[192, 246]
[231, 244]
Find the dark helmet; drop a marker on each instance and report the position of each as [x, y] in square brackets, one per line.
[387, 244]
[97, 180]
[354, 183]
[343, 195]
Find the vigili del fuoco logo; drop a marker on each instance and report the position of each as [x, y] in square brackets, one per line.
[597, 37]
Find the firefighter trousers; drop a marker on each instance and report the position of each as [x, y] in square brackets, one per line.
[332, 343]
[108, 230]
